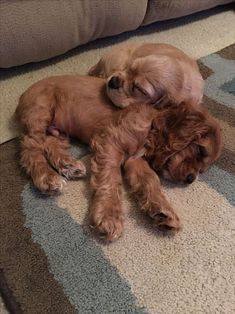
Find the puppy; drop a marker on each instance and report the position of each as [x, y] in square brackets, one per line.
[180, 141]
[149, 74]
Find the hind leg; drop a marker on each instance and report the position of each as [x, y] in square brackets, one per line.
[35, 117]
[43, 155]
[66, 165]
[36, 165]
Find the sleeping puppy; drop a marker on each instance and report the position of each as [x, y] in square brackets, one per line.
[179, 141]
[149, 74]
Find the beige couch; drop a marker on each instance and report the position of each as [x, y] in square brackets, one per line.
[33, 30]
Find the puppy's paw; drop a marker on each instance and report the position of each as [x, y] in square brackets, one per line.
[107, 227]
[166, 219]
[50, 182]
[73, 170]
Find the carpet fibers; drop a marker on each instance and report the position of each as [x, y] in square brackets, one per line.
[49, 262]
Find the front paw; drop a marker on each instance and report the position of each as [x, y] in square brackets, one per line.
[49, 182]
[73, 170]
[166, 219]
[108, 226]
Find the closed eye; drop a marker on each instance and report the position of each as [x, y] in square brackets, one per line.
[136, 87]
[202, 153]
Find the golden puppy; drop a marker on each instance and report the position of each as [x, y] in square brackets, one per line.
[150, 74]
[180, 141]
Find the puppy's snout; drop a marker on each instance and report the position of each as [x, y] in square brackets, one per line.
[114, 82]
[190, 178]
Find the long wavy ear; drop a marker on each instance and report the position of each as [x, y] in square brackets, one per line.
[214, 135]
[162, 77]
[174, 129]
[185, 125]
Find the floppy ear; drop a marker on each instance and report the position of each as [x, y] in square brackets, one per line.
[213, 135]
[163, 76]
[173, 129]
[185, 125]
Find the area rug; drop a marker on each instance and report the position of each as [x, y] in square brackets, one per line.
[50, 263]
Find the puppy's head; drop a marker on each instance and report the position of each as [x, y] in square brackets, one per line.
[191, 142]
[147, 80]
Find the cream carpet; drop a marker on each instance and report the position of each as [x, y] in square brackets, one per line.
[198, 35]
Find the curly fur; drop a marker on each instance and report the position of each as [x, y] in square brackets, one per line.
[178, 141]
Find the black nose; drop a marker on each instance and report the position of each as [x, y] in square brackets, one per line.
[190, 178]
[114, 82]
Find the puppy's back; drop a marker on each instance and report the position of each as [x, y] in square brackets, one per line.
[74, 103]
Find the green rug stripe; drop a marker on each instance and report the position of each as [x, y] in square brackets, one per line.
[229, 87]
[224, 71]
[91, 283]
[221, 181]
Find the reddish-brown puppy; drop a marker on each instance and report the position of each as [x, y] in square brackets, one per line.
[180, 141]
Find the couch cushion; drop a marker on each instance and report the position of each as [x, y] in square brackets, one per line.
[36, 30]
[159, 10]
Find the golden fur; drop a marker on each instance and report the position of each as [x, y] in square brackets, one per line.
[149, 73]
[179, 141]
